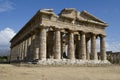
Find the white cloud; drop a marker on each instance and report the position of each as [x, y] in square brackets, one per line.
[6, 5]
[5, 37]
[110, 45]
[113, 46]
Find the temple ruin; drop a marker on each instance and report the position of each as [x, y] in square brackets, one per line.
[70, 35]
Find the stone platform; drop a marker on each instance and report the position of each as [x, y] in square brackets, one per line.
[70, 62]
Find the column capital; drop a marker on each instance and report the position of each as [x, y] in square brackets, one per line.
[42, 26]
[70, 31]
[94, 34]
[76, 33]
[51, 29]
[31, 33]
[82, 32]
[57, 29]
[36, 30]
[102, 36]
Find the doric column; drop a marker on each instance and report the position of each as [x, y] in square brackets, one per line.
[93, 47]
[22, 50]
[11, 53]
[102, 48]
[19, 51]
[57, 53]
[26, 47]
[78, 48]
[64, 50]
[42, 44]
[50, 44]
[36, 46]
[71, 50]
[29, 41]
[32, 46]
[87, 50]
[83, 45]
[62, 45]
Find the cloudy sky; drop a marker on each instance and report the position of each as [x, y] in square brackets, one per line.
[15, 13]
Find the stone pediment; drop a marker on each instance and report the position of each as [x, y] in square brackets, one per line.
[68, 13]
[84, 15]
[72, 13]
[48, 11]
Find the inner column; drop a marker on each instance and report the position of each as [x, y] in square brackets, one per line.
[50, 44]
[78, 47]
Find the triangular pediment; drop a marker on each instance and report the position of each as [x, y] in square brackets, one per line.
[73, 14]
[84, 15]
[68, 13]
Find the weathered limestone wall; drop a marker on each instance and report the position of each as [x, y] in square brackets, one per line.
[113, 57]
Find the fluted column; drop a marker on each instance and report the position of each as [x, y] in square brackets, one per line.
[57, 53]
[64, 50]
[42, 44]
[36, 46]
[25, 48]
[32, 46]
[28, 48]
[50, 44]
[83, 45]
[78, 47]
[87, 50]
[62, 45]
[11, 53]
[22, 50]
[71, 51]
[93, 47]
[102, 48]
[19, 51]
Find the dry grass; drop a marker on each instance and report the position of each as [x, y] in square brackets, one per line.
[11, 72]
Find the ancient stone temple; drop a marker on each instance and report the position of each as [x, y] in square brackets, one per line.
[69, 36]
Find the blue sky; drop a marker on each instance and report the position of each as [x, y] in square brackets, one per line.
[14, 14]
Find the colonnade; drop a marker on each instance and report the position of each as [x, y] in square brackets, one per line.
[114, 57]
[51, 44]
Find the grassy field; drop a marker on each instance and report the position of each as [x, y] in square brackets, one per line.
[11, 72]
